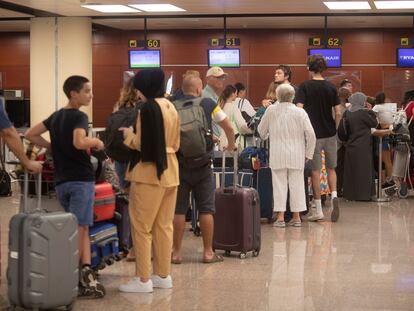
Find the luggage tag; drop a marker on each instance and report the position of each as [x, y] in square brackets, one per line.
[255, 163]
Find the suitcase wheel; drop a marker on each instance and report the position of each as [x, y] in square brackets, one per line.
[390, 191]
[256, 252]
[109, 261]
[227, 253]
[242, 255]
[403, 191]
[69, 307]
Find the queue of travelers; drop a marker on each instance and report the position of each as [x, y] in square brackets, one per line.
[300, 123]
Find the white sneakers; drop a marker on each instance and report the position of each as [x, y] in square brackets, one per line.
[136, 286]
[159, 282]
[314, 216]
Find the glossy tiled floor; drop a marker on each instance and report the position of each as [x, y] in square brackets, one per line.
[363, 262]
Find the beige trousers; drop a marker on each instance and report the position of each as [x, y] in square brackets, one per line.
[151, 212]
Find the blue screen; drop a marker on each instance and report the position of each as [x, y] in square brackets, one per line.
[332, 56]
[405, 57]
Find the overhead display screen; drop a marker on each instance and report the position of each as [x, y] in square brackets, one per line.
[405, 57]
[333, 57]
[144, 59]
[224, 57]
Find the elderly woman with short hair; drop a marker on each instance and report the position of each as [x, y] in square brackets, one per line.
[292, 142]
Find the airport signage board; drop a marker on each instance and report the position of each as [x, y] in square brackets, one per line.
[321, 41]
[221, 42]
[333, 57]
[405, 58]
[148, 44]
[224, 57]
[144, 59]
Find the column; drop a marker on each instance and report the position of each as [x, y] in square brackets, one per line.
[59, 47]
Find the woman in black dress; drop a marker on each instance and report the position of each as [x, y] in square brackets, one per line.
[359, 166]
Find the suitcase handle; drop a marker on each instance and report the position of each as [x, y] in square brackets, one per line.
[235, 165]
[26, 192]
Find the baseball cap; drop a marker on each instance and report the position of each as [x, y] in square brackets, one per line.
[215, 72]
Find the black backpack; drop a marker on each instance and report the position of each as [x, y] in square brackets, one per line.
[114, 141]
[5, 180]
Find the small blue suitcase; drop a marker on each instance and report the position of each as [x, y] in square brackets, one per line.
[104, 245]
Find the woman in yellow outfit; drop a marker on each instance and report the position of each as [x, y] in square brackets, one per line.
[154, 180]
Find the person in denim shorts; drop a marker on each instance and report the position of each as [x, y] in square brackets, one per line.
[74, 176]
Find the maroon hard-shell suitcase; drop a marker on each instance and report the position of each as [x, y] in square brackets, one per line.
[237, 219]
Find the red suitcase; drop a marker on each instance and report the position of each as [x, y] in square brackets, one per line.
[104, 207]
[237, 218]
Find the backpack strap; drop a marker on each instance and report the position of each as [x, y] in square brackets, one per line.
[241, 103]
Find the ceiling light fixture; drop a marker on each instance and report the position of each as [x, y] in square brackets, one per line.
[348, 5]
[385, 5]
[157, 7]
[110, 8]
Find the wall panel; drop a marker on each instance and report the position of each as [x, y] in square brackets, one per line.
[258, 47]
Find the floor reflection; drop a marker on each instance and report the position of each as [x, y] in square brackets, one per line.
[363, 262]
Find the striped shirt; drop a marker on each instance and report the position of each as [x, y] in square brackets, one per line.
[292, 138]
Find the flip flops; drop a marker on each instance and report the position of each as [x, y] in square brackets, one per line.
[214, 259]
[175, 261]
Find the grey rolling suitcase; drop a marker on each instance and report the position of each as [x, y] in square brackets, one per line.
[43, 259]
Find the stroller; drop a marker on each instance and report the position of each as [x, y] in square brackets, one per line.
[400, 142]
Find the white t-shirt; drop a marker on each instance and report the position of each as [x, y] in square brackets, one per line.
[237, 121]
[243, 104]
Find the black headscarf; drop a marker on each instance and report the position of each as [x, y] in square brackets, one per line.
[150, 82]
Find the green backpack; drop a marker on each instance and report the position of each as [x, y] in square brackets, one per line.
[195, 135]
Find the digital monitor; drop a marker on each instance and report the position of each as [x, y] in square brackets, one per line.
[333, 57]
[405, 57]
[144, 59]
[224, 57]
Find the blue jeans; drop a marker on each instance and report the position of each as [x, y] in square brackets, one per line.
[77, 197]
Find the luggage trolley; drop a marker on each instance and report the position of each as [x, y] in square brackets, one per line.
[400, 142]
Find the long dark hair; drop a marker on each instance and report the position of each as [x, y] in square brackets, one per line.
[380, 98]
[225, 95]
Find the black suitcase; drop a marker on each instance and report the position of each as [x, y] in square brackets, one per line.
[121, 220]
[237, 218]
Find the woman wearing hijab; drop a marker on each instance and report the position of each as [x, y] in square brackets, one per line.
[359, 165]
[154, 180]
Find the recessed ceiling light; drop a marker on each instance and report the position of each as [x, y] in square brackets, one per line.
[348, 5]
[112, 8]
[157, 7]
[383, 5]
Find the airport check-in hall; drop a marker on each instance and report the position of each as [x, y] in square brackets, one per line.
[207, 155]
